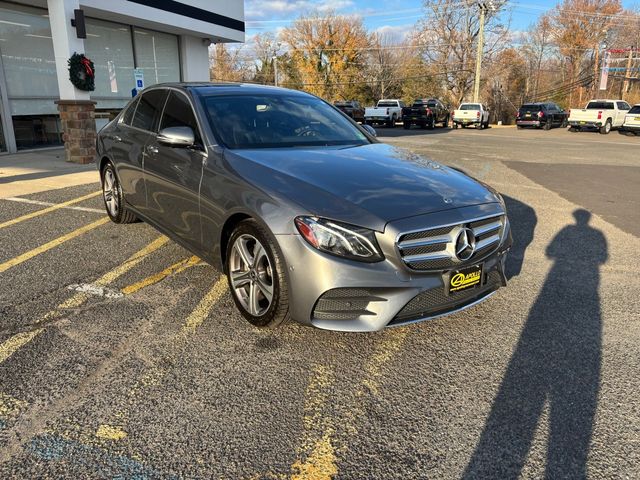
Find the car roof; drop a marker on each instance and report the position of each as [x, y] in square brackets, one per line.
[223, 88]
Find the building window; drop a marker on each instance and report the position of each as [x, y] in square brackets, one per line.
[157, 54]
[109, 46]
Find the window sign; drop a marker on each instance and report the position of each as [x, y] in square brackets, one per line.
[138, 73]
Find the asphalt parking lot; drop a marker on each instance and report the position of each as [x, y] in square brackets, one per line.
[122, 356]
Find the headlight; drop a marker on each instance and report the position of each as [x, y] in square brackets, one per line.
[340, 239]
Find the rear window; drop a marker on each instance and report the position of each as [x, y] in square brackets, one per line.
[601, 105]
[469, 106]
[387, 104]
[635, 109]
[342, 104]
[531, 107]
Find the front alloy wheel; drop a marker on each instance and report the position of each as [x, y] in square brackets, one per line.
[251, 275]
[255, 273]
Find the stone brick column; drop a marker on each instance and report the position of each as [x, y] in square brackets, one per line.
[79, 129]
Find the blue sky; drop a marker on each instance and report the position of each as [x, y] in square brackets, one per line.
[393, 16]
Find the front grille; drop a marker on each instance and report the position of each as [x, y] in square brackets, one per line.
[435, 301]
[434, 248]
[344, 304]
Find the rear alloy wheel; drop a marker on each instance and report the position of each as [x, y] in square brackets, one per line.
[255, 272]
[113, 197]
[406, 125]
[547, 125]
[606, 128]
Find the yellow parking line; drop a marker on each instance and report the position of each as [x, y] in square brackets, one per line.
[157, 277]
[202, 310]
[10, 346]
[109, 277]
[52, 244]
[49, 209]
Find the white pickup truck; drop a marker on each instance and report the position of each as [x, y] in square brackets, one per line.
[388, 112]
[471, 114]
[601, 114]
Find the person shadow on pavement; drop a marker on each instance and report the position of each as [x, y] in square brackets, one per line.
[556, 362]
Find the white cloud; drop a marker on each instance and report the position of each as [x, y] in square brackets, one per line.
[283, 10]
[395, 33]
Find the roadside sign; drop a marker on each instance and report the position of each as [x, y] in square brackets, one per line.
[138, 74]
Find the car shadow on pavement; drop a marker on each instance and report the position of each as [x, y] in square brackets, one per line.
[556, 362]
[523, 224]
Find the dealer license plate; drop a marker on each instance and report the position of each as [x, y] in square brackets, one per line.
[463, 279]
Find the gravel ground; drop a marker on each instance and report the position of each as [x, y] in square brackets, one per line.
[164, 379]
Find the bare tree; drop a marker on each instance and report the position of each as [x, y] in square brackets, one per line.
[449, 34]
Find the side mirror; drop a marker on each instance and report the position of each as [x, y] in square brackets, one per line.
[370, 130]
[178, 137]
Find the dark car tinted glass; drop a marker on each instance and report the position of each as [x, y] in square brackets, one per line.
[387, 104]
[273, 121]
[531, 107]
[601, 105]
[178, 113]
[127, 117]
[343, 104]
[149, 108]
[635, 109]
[470, 106]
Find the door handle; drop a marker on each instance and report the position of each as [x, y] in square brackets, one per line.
[152, 149]
[116, 138]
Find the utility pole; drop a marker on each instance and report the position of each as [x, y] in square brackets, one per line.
[275, 70]
[483, 10]
[627, 74]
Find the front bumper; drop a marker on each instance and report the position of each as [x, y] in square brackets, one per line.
[337, 294]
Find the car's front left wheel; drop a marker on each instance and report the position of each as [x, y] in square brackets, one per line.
[113, 197]
[256, 273]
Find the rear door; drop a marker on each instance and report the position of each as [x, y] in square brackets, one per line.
[172, 174]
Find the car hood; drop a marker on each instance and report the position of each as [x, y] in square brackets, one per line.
[368, 185]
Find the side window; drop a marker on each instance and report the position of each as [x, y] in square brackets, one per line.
[178, 113]
[623, 106]
[127, 117]
[149, 108]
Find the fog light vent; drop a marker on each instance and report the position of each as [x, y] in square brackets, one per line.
[344, 304]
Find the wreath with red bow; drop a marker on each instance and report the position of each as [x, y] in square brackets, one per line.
[82, 72]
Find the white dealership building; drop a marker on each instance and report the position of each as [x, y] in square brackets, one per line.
[129, 41]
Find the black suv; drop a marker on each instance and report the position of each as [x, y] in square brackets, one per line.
[352, 109]
[426, 112]
[545, 115]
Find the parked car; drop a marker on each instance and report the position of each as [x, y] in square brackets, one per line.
[352, 109]
[471, 114]
[632, 120]
[259, 182]
[603, 115]
[387, 112]
[541, 115]
[425, 112]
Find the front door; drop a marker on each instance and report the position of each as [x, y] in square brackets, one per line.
[172, 175]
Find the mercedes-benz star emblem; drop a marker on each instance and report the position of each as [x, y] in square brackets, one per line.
[465, 244]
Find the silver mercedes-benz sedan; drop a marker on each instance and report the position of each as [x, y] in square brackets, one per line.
[309, 216]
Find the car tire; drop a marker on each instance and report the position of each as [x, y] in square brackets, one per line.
[258, 286]
[564, 123]
[464, 126]
[445, 123]
[406, 125]
[480, 126]
[520, 127]
[431, 125]
[547, 125]
[606, 128]
[114, 202]
[423, 125]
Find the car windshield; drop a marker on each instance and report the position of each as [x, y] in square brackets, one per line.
[469, 106]
[601, 105]
[531, 107]
[635, 109]
[278, 121]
